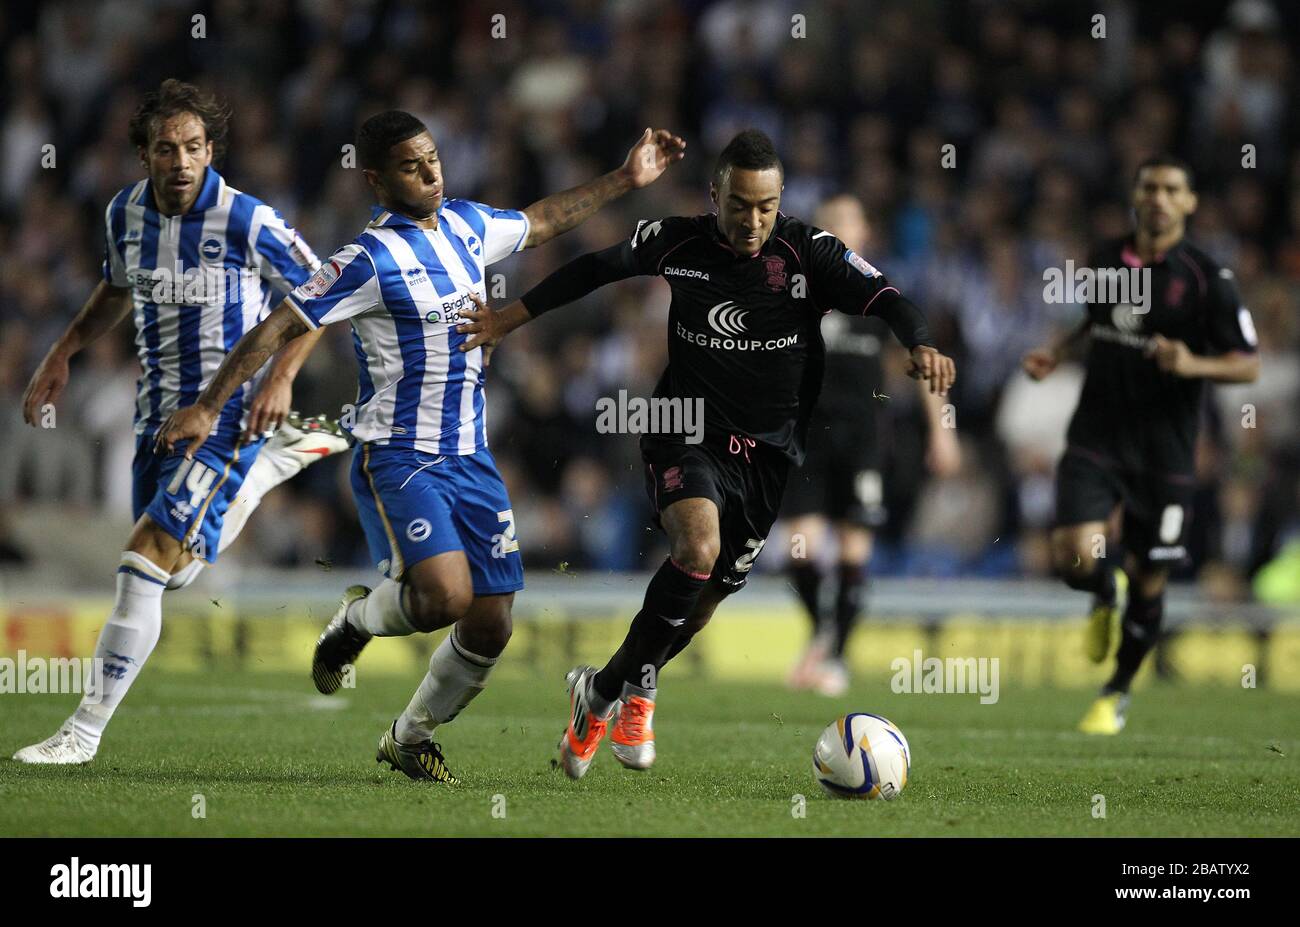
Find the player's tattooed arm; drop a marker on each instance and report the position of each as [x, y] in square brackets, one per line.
[271, 405]
[560, 212]
[107, 306]
[193, 423]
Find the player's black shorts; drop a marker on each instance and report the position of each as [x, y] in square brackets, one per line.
[745, 481]
[840, 476]
[1157, 506]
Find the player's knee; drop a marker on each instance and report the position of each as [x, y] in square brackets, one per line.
[488, 634]
[436, 606]
[696, 554]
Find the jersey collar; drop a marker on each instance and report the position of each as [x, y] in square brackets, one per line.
[383, 219]
[1129, 255]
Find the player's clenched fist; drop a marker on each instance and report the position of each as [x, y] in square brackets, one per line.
[938, 369]
[192, 424]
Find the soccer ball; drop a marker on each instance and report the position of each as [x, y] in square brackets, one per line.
[862, 756]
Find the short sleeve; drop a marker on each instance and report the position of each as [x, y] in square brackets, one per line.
[843, 279]
[344, 286]
[1231, 328]
[285, 261]
[503, 231]
[114, 229]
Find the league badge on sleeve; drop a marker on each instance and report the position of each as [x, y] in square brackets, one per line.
[321, 281]
[863, 267]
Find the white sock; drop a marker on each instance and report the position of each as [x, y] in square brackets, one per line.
[382, 613]
[186, 574]
[265, 474]
[127, 639]
[455, 676]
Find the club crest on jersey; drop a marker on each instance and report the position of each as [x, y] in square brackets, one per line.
[322, 280]
[672, 479]
[474, 245]
[861, 264]
[212, 249]
[774, 270]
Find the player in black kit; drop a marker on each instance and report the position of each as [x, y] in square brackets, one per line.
[839, 489]
[1132, 438]
[749, 288]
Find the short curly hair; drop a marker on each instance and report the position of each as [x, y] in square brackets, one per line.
[174, 97]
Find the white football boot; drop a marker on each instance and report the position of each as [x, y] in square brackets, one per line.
[62, 749]
[300, 442]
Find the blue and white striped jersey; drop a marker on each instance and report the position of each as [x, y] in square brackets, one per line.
[404, 287]
[198, 282]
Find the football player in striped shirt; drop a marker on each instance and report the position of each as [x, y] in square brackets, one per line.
[196, 263]
[435, 511]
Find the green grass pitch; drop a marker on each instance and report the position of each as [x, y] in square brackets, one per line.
[270, 757]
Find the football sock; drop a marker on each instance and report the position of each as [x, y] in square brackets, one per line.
[383, 612]
[455, 676]
[127, 639]
[668, 601]
[1141, 630]
[186, 574]
[807, 580]
[848, 604]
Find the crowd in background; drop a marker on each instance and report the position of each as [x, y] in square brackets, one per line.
[1045, 119]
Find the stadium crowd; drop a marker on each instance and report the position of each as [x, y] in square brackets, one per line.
[1046, 121]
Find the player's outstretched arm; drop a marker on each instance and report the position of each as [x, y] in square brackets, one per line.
[571, 282]
[259, 345]
[107, 306]
[558, 213]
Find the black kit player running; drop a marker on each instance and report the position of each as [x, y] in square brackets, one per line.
[1132, 440]
[749, 287]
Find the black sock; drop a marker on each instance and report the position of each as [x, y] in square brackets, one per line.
[807, 579]
[668, 600]
[848, 604]
[1100, 582]
[1141, 630]
[683, 639]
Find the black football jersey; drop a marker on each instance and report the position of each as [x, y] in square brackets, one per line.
[1129, 410]
[744, 332]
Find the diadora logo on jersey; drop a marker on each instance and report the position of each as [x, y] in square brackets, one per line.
[727, 319]
[685, 272]
[861, 264]
[322, 280]
[212, 249]
[646, 229]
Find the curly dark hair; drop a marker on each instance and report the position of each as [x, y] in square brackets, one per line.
[176, 96]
